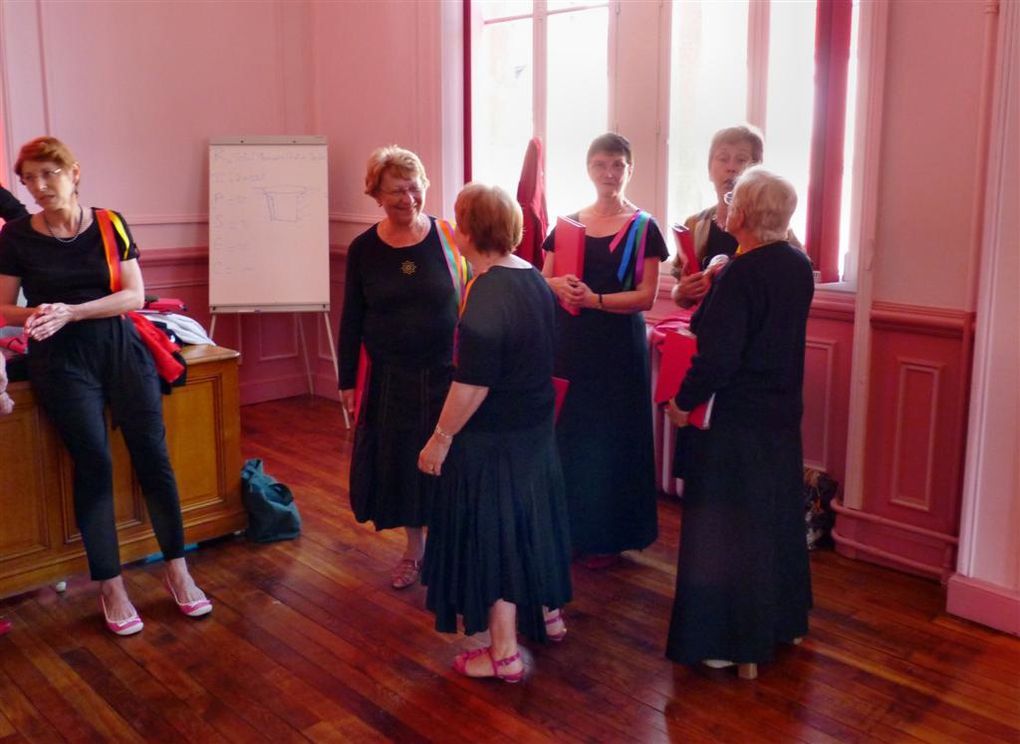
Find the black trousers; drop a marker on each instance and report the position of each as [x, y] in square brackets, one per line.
[75, 374]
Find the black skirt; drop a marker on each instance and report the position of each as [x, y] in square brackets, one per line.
[396, 420]
[743, 578]
[499, 531]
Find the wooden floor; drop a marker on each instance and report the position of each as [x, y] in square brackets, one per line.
[308, 642]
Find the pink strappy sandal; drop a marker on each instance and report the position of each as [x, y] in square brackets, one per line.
[461, 661]
[555, 616]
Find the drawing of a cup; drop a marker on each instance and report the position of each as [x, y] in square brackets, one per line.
[283, 201]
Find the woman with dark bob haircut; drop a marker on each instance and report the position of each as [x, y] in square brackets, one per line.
[498, 552]
[79, 271]
[605, 429]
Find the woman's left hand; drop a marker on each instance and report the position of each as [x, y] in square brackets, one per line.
[47, 319]
[678, 417]
[432, 456]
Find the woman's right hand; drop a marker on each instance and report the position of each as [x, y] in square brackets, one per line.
[691, 288]
[568, 289]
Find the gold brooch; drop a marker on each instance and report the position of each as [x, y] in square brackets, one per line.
[409, 267]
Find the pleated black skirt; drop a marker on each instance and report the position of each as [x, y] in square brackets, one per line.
[499, 531]
[398, 417]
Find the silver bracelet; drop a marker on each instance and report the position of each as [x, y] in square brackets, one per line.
[442, 434]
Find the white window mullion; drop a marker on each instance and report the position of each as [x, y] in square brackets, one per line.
[612, 110]
[540, 37]
[758, 63]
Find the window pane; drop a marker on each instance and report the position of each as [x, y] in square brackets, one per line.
[708, 91]
[501, 102]
[577, 104]
[490, 9]
[848, 144]
[554, 5]
[791, 97]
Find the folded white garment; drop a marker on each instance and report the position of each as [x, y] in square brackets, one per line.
[188, 330]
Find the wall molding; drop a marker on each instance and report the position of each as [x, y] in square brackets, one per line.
[828, 348]
[983, 603]
[903, 434]
[917, 319]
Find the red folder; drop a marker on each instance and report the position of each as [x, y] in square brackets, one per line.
[166, 305]
[685, 248]
[560, 388]
[569, 254]
[676, 352]
[361, 381]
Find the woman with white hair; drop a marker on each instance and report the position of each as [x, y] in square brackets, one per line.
[743, 580]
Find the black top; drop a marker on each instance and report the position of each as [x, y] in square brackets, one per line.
[505, 343]
[601, 265]
[400, 302]
[10, 207]
[719, 243]
[52, 270]
[751, 331]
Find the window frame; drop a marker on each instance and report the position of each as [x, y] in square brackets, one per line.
[833, 28]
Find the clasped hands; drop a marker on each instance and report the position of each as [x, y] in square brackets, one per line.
[433, 455]
[570, 290]
[47, 319]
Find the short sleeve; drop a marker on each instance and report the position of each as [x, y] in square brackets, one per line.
[125, 241]
[655, 247]
[479, 340]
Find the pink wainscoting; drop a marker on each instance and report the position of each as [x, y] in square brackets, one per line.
[919, 375]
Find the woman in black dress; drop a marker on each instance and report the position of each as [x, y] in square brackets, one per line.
[498, 552]
[605, 428]
[743, 580]
[402, 289]
[79, 271]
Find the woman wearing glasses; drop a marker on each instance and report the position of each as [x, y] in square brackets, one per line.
[79, 271]
[402, 288]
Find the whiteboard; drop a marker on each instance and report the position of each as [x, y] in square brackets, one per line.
[268, 224]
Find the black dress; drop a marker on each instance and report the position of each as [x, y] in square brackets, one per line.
[743, 580]
[605, 427]
[401, 304]
[499, 527]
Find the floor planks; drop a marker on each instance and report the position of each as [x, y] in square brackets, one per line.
[307, 642]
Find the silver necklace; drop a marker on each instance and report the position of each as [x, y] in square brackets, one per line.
[81, 220]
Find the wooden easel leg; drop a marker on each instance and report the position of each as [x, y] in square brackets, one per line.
[212, 327]
[304, 353]
[336, 365]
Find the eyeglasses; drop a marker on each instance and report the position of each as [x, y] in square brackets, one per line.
[411, 191]
[728, 198]
[46, 176]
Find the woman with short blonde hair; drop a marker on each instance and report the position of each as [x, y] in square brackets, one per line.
[404, 279]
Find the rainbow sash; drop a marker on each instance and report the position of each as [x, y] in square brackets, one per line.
[109, 223]
[634, 236]
[455, 262]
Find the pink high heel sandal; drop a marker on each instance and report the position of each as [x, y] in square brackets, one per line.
[555, 616]
[198, 608]
[461, 661]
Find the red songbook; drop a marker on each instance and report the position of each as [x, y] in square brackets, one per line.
[677, 350]
[569, 254]
[361, 381]
[560, 388]
[685, 248]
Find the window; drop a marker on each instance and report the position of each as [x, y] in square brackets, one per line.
[565, 71]
[539, 69]
[790, 69]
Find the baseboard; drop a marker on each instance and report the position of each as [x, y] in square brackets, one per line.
[984, 603]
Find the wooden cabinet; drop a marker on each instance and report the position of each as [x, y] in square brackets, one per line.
[39, 540]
